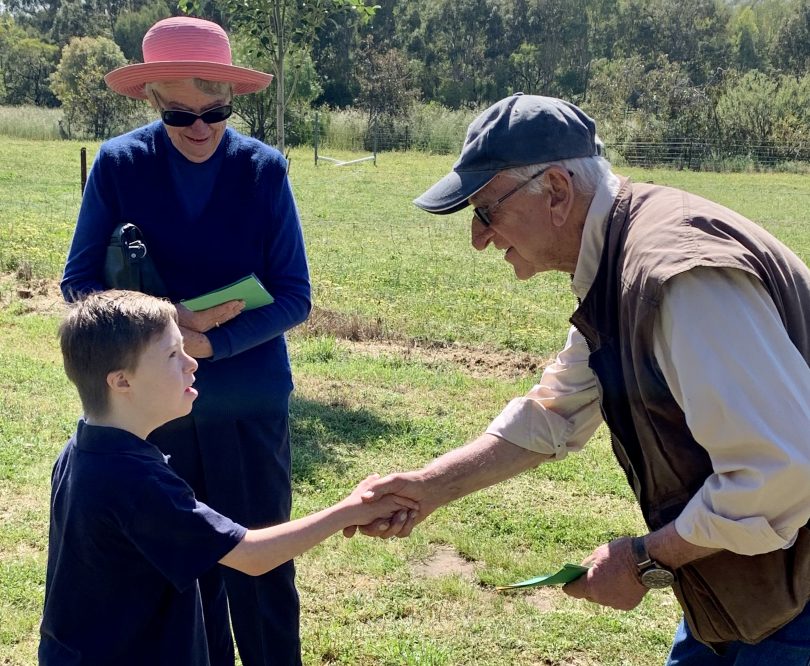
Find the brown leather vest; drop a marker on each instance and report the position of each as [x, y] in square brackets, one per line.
[653, 234]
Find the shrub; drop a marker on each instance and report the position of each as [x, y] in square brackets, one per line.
[89, 106]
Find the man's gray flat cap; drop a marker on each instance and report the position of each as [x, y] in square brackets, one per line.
[516, 131]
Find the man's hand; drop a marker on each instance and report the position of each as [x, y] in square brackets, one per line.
[403, 484]
[384, 508]
[612, 579]
[205, 320]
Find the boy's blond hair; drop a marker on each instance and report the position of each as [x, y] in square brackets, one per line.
[107, 331]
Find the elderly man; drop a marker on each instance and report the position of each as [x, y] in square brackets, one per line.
[691, 341]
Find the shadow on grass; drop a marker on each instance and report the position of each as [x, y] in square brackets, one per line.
[326, 434]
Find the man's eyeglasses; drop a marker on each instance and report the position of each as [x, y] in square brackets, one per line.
[175, 118]
[483, 214]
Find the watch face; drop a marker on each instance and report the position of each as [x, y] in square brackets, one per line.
[657, 578]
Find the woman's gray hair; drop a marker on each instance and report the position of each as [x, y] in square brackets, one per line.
[213, 88]
[588, 173]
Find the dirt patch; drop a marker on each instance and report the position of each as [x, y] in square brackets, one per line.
[362, 335]
[31, 294]
[369, 336]
[445, 561]
[477, 361]
[344, 326]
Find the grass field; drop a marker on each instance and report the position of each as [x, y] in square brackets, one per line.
[387, 272]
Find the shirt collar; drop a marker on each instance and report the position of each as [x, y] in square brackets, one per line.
[105, 439]
[593, 234]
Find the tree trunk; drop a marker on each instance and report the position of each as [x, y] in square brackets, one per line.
[280, 99]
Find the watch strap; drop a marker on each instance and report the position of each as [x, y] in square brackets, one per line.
[641, 554]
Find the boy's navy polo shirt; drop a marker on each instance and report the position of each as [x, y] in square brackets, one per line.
[127, 542]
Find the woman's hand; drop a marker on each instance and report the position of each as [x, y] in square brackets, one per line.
[196, 344]
[205, 320]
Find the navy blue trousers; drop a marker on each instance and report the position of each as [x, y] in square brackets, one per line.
[241, 468]
[790, 646]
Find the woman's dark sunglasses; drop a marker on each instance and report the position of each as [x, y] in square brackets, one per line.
[176, 118]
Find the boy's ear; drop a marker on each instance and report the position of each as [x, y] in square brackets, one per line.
[118, 381]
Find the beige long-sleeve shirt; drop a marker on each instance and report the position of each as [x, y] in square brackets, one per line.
[746, 398]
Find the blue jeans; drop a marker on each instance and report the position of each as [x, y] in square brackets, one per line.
[790, 646]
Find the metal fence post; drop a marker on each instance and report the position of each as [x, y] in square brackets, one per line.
[315, 133]
[83, 167]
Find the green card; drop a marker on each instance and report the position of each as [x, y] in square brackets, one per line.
[565, 575]
[249, 289]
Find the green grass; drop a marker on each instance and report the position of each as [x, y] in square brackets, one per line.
[376, 255]
[363, 408]
[30, 122]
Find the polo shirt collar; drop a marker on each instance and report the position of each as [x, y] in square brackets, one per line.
[106, 439]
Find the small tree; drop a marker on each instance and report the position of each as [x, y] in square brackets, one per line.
[386, 82]
[279, 27]
[387, 93]
[79, 84]
[257, 110]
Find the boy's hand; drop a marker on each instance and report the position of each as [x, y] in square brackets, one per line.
[402, 484]
[362, 513]
[205, 320]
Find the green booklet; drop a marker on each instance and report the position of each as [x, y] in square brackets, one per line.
[565, 575]
[249, 289]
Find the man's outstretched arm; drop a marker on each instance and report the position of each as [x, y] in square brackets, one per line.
[483, 462]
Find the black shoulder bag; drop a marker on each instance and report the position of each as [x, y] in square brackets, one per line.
[128, 264]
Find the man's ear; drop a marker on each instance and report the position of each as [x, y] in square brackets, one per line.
[561, 194]
[118, 381]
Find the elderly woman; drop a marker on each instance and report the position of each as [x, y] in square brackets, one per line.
[213, 207]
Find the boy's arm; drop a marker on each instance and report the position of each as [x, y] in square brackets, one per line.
[265, 549]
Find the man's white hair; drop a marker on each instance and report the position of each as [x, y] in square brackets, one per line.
[588, 173]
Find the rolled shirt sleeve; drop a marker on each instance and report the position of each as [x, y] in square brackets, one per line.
[745, 391]
[559, 414]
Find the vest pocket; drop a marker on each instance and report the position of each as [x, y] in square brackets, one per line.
[730, 597]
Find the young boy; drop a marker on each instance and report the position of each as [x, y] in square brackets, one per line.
[127, 537]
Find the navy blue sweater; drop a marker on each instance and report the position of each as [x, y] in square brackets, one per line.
[205, 225]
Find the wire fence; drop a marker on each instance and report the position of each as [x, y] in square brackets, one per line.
[387, 134]
[700, 155]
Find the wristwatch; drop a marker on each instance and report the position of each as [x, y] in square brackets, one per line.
[651, 574]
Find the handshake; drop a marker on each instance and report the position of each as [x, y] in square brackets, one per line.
[384, 507]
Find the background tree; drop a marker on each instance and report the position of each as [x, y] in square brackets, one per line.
[745, 43]
[460, 42]
[791, 48]
[79, 18]
[277, 27]
[760, 111]
[89, 105]
[131, 26]
[334, 57]
[25, 64]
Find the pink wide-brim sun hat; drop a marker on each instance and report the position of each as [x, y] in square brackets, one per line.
[183, 47]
